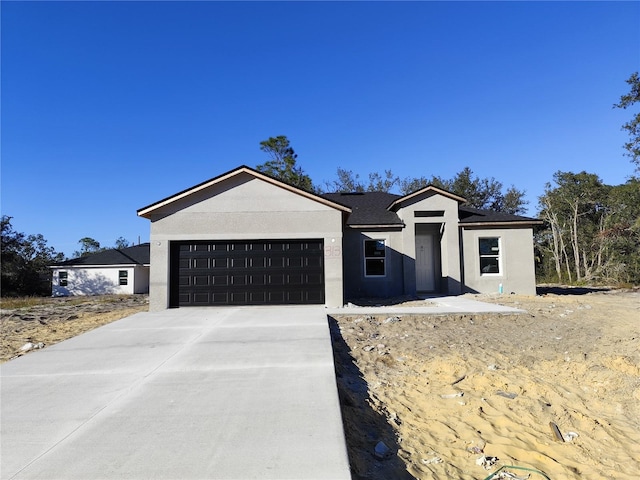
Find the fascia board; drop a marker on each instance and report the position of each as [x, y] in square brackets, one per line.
[107, 265]
[519, 223]
[392, 225]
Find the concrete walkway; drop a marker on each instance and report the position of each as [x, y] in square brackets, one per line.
[194, 393]
[438, 306]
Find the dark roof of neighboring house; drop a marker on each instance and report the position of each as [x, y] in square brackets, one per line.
[368, 208]
[136, 255]
[372, 209]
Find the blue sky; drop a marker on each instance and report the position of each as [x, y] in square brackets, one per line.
[110, 106]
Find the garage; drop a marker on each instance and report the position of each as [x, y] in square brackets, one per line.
[254, 272]
[245, 238]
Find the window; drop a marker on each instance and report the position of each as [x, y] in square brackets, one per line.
[489, 255]
[122, 275]
[62, 279]
[374, 258]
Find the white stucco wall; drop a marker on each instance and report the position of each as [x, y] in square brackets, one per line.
[517, 261]
[244, 207]
[100, 280]
[141, 279]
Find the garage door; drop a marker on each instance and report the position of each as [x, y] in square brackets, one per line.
[247, 272]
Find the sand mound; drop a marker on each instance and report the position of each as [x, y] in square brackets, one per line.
[444, 391]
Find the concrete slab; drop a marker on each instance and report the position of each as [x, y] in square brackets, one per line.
[219, 393]
[440, 306]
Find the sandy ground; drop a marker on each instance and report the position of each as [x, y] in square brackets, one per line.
[57, 319]
[442, 392]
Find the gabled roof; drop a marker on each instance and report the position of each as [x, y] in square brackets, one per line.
[148, 210]
[426, 190]
[378, 209]
[470, 216]
[136, 255]
[368, 209]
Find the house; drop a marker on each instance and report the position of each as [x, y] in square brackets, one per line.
[245, 238]
[115, 271]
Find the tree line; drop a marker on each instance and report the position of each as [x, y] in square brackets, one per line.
[482, 193]
[25, 260]
[89, 246]
[591, 232]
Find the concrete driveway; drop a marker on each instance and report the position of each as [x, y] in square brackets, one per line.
[197, 393]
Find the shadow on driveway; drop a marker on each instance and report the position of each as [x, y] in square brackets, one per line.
[363, 426]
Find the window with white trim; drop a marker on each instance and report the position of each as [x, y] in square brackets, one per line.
[489, 249]
[374, 258]
[62, 279]
[123, 276]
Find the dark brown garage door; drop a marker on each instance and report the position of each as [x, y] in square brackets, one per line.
[247, 272]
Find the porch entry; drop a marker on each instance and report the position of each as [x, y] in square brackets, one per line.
[428, 270]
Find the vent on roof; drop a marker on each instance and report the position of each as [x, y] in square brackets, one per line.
[429, 213]
[351, 193]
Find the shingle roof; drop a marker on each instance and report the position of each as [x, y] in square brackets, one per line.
[372, 208]
[367, 208]
[136, 255]
[475, 215]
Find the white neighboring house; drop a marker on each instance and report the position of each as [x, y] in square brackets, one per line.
[115, 271]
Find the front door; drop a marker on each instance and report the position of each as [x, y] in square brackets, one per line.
[425, 264]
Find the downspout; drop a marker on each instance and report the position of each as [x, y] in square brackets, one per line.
[461, 253]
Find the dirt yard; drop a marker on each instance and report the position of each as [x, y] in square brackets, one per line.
[55, 319]
[459, 396]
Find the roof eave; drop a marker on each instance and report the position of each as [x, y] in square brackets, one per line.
[502, 224]
[103, 265]
[381, 226]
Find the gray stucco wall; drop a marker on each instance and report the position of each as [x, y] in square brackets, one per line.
[517, 261]
[357, 285]
[451, 280]
[244, 208]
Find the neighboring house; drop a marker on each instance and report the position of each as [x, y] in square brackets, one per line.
[115, 271]
[245, 238]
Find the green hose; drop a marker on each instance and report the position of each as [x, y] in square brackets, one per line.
[517, 468]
